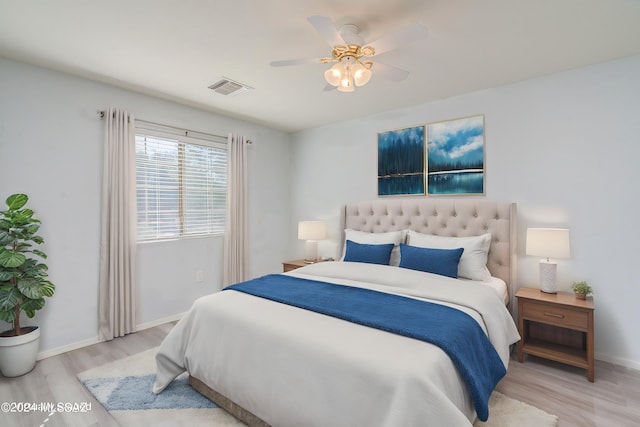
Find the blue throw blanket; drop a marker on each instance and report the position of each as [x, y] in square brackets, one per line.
[452, 330]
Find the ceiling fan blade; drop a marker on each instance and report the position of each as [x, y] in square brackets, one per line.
[327, 29]
[399, 38]
[388, 72]
[301, 61]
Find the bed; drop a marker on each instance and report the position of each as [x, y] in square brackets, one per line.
[270, 363]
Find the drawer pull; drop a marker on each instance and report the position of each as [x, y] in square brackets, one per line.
[559, 316]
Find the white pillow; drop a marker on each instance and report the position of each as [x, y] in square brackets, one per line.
[395, 237]
[473, 263]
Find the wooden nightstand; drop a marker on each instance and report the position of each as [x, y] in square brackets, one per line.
[557, 327]
[292, 265]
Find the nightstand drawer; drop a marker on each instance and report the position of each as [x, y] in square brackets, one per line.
[288, 266]
[555, 315]
[297, 263]
[292, 265]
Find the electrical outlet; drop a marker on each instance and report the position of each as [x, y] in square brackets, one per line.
[199, 276]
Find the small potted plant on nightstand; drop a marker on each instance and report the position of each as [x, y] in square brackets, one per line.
[581, 289]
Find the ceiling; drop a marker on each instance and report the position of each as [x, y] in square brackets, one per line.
[175, 49]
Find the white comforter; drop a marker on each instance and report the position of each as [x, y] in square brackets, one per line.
[292, 367]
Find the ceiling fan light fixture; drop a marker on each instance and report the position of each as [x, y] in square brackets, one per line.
[347, 73]
[350, 53]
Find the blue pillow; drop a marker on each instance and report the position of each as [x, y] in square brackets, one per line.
[438, 261]
[372, 254]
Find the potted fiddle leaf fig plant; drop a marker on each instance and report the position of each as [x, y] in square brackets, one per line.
[24, 285]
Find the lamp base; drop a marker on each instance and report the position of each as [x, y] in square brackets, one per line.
[548, 277]
[311, 251]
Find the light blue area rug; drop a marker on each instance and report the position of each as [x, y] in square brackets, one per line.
[133, 392]
[124, 388]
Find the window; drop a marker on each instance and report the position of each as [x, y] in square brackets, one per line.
[181, 185]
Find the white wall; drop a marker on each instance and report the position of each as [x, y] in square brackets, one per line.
[565, 148]
[51, 149]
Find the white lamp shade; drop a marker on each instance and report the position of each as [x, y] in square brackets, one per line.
[312, 230]
[548, 242]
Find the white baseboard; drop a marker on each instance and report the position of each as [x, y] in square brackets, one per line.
[95, 340]
[65, 348]
[620, 361]
[154, 323]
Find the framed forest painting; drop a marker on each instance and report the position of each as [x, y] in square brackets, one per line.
[455, 156]
[401, 161]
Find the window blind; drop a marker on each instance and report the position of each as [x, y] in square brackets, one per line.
[180, 188]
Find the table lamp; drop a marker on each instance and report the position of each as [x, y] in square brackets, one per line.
[548, 243]
[311, 231]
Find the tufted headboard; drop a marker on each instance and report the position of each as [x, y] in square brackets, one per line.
[444, 217]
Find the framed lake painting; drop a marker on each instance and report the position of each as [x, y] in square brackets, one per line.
[401, 157]
[455, 156]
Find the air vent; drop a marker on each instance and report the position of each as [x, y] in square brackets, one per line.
[226, 86]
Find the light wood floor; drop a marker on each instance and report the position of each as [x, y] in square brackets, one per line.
[612, 401]
[54, 380]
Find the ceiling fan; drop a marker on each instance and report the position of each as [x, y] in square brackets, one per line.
[351, 55]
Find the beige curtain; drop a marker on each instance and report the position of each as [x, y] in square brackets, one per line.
[117, 302]
[235, 236]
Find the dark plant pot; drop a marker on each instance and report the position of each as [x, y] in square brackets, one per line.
[581, 296]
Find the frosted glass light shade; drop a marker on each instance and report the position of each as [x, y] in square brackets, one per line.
[346, 87]
[333, 74]
[346, 82]
[361, 75]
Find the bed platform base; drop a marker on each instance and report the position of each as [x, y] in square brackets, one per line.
[231, 407]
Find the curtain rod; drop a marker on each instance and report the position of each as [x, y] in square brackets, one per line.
[101, 114]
